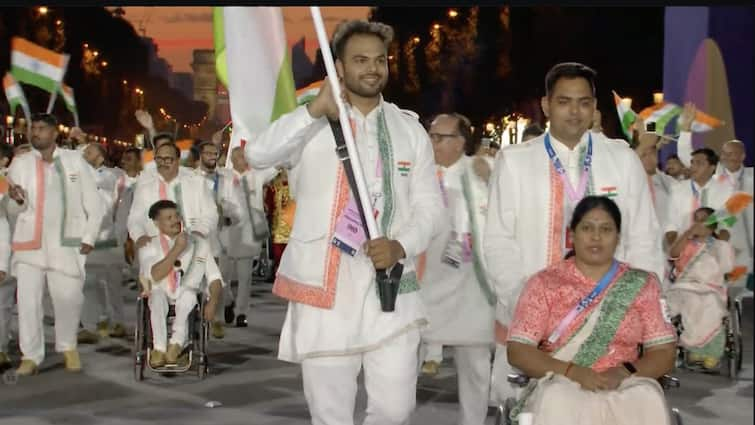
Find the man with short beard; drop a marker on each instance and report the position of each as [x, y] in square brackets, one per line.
[226, 197]
[335, 326]
[58, 215]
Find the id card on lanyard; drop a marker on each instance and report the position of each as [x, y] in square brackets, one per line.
[699, 198]
[573, 196]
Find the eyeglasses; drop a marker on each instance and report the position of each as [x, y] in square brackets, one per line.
[165, 159]
[439, 137]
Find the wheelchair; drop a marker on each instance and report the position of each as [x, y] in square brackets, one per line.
[198, 334]
[503, 411]
[731, 360]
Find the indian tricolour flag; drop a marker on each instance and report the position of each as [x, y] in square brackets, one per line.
[306, 94]
[70, 101]
[260, 79]
[626, 116]
[666, 113]
[35, 65]
[15, 95]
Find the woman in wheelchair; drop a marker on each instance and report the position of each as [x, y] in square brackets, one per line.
[698, 292]
[174, 264]
[577, 326]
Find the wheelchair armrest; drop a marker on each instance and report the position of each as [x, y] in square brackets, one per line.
[668, 381]
[518, 379]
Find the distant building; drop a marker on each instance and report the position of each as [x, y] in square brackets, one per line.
[205, 80]
[184, 83]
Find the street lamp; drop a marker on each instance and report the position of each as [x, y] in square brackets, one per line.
[657, 98]
[9, 130]
[42, 10]
[104, 64]
[452, 13]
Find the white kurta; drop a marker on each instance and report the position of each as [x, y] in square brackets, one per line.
[227, 198]
[107, 249]
[682, 204]
[458, 309]
[742, 232]
[188, 190]
[354, 322]
[71, 212]
[662, 184]
[238, 239]
[196, 262]
[518, 232]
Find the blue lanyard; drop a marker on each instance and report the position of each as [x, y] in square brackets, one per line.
[574, 195]
[215, 183]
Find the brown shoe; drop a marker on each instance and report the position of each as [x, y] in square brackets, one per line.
[87, 337]
[103, 329]
[217, 330]
[5, 363]
[156, 359]
[430, 368]
[174, 350]
[72, 361]
[27, 368]
[118, 331]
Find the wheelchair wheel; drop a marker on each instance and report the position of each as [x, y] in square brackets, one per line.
[733, 343]
[140, 341]
[738, 329]
[676, 416]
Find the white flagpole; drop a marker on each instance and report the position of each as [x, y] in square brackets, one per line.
[53, 96]
[343, 117]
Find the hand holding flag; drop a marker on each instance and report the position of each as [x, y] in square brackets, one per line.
[728, 214]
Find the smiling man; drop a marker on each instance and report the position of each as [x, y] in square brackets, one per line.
[536, 185]
[335, 326]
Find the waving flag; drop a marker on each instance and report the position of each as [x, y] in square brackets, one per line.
[626, 116]
[15, 95]
[306, 94]
[218, 35]
[666, 113]
[70, 101]
[35, 65]
[260, 85]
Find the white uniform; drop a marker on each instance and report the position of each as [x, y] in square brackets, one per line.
[227, 197]
[660, 191]
[527, 219]
[125, 186]
[7, 285]
[196, 265]
[455, 290]
[687, 196]
[102, 288]
[240, 247]
[334, 325]
[61, 211]
[187, 189]
[742, 232]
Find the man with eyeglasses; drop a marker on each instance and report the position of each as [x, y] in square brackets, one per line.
[53, 199]
[455, 290]
[186, 189]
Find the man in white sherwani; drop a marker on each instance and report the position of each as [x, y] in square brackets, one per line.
[242, 241]
[104, 304]
[335, 326]
[460, 302]
[227, 197]
[701, 190]
[58, 214]
[536, 185]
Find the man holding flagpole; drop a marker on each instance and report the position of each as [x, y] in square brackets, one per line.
[335, 326]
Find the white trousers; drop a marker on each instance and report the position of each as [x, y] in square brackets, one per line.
[103, 295]
[473, 374]
[67, 299]
[501, 388]
[7, 301]
[158, 307]
[390, 378]
[240, 270]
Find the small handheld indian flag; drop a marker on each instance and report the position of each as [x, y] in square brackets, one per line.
[665, 113]
[15, 95]
[306, 94]
[35, 65]
[728, 214]
[627, 116]
[70, 101]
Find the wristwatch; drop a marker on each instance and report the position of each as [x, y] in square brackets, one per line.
[630, 368]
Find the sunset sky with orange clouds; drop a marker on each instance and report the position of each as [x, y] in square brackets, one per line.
[179, 30]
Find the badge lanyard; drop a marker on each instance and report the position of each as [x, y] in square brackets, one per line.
[574, 195]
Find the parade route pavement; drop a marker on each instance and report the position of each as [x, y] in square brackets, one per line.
[248, 385]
